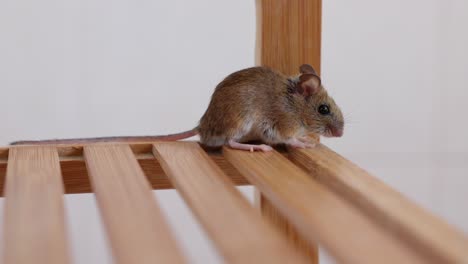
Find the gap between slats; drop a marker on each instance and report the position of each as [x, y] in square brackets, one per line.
[136, 228]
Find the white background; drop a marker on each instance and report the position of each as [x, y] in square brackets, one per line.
[100, 68]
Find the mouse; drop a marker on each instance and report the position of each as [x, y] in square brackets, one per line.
[256, 104]
[262, 104]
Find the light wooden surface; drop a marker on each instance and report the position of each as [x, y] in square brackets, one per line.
[357, 218]
[319, 214]
[239, 232]
[75, 174]
[34, 230]
[288, 34]
[420, 229]
[282, 224]
[136, 228]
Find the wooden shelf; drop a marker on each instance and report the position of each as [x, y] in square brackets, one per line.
[324, 198]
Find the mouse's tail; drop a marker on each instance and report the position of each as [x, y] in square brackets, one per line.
[130, 139]
[177, 136]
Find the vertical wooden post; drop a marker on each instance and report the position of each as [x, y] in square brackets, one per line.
[288, 35]
[269, 211]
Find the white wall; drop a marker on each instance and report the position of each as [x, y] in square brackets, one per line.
[96, 68]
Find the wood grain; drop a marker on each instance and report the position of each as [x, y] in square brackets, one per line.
[318, 214]
[237, 229]
[282, 224]
[288, 34]
[76, 180]
[418, 228]
[137, 231]
[34, 211]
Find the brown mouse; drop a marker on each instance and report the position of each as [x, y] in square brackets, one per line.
[262, 104]
[256, 104]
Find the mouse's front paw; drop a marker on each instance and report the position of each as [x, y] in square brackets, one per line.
[307, 139]
[298, 143]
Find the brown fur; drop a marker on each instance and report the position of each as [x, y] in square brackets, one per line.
[271, 102]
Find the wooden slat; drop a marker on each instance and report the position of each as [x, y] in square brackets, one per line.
[34, 213]
[419, 228]
[137, 231]
[75, 175]
[236, 228]
[318, 213]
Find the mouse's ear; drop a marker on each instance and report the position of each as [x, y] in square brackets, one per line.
[309, 84]
[306, 68]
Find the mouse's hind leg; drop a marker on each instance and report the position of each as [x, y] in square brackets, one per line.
[250, 147]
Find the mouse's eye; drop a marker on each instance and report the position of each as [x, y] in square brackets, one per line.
[324, 109]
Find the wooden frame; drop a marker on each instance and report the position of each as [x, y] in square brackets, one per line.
[308, 197]
[76, 179]
[389, 221]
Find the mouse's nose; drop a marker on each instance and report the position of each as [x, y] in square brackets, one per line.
[336, 131]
